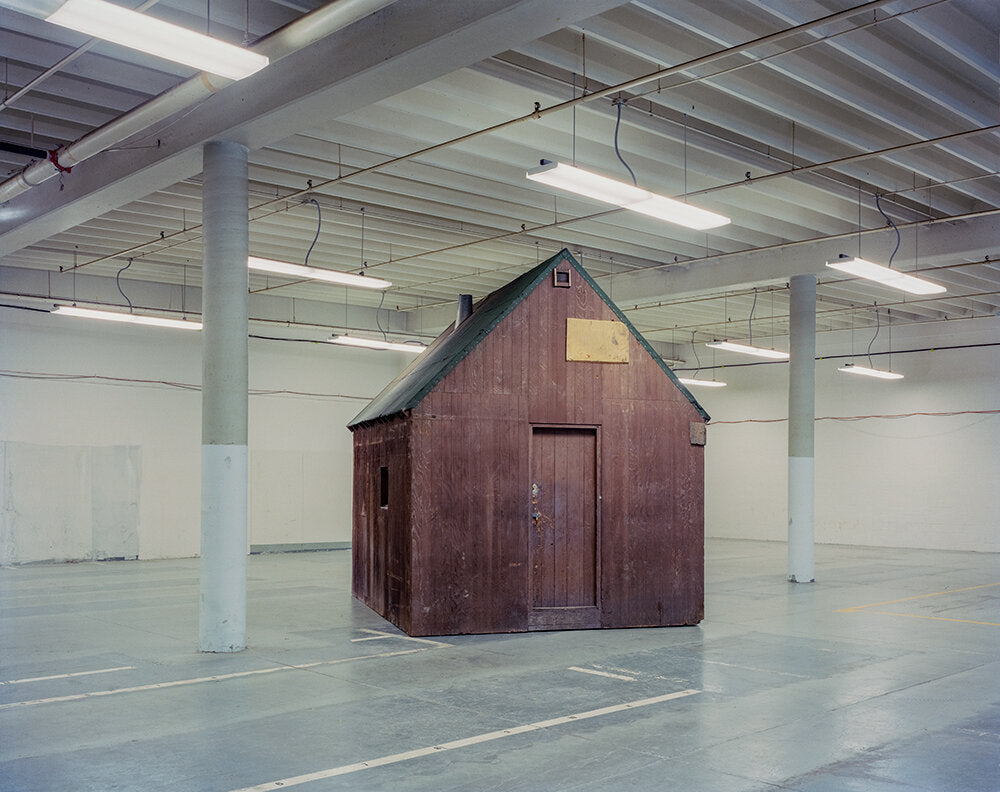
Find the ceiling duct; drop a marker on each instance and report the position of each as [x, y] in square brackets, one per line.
[312, 27]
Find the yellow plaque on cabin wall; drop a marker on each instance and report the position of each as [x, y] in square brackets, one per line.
[596, 341]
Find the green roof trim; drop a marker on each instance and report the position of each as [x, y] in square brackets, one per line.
[450, 348]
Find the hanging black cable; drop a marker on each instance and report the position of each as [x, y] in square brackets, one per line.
[752, 309]
[877, 328]
[319, 225]
[618, 104]
[119, 285]
[697, 359]
[889, 221]
[378, 321]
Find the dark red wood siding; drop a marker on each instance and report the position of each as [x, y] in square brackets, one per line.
[381, 534]
[467, 547]
[563, 536]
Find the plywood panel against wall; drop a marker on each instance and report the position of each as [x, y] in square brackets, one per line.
[69, 502]
[142, 404]
[114, 501]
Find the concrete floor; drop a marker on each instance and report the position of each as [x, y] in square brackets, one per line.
[884, 675]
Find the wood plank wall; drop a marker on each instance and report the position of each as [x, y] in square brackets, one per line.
[471, 488]
[381, 545]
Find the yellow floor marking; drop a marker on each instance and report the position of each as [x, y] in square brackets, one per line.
[916, 597]
[937, 618]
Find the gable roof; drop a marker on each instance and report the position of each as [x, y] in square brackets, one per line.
[432, 365]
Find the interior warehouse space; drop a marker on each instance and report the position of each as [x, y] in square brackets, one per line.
[500, 394]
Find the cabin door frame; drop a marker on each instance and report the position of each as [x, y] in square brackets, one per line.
[564, 526]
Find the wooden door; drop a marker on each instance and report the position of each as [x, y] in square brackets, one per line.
[564, 526]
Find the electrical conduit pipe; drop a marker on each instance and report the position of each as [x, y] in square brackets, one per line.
[298, 34]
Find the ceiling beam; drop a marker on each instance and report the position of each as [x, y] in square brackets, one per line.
[938, 242]
[400, 47]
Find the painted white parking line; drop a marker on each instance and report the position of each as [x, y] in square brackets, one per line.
[602, 673]
[201, 680]
[628, 671]
[67, 676]
[284, 783]
[754, 668]
[376, 635]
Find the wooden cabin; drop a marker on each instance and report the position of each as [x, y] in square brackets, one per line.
[538, 467]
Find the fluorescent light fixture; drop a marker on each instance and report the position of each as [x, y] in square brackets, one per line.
[118, 316]
[774, 354]
[851, 368]
[869, 270]
[315, 273]
[376, 343]
[703, 383]
[627, 196]
[145, 33]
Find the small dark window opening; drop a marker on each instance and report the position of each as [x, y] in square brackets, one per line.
[560, 278]
[383, 487]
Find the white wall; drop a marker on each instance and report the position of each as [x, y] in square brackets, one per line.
[102, 468]
[110, 466]
[920, 481]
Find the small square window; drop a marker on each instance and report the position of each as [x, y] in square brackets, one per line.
[561, 278]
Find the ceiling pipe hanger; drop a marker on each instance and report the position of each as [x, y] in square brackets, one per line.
[135, 30]
[693, 379]
[749, 348]
[131, 317]
[886, 275]
[58, 65]
[322, 22]
[318, 24]
[305, 272]
[870, 370]
[538, 113]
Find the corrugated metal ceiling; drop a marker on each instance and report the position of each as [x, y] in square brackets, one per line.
[792, 138]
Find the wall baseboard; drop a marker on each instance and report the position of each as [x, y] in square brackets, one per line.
[298, 547]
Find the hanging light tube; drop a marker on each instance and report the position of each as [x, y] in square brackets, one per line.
[118, 316]
[746, 349]
[148, 34]
[869, 270]
[601, 188]
[701, 383]
[316, 273]
[851, 368]
[376, 343]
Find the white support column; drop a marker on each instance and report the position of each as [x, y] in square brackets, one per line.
[801, 417]
[224, 469]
